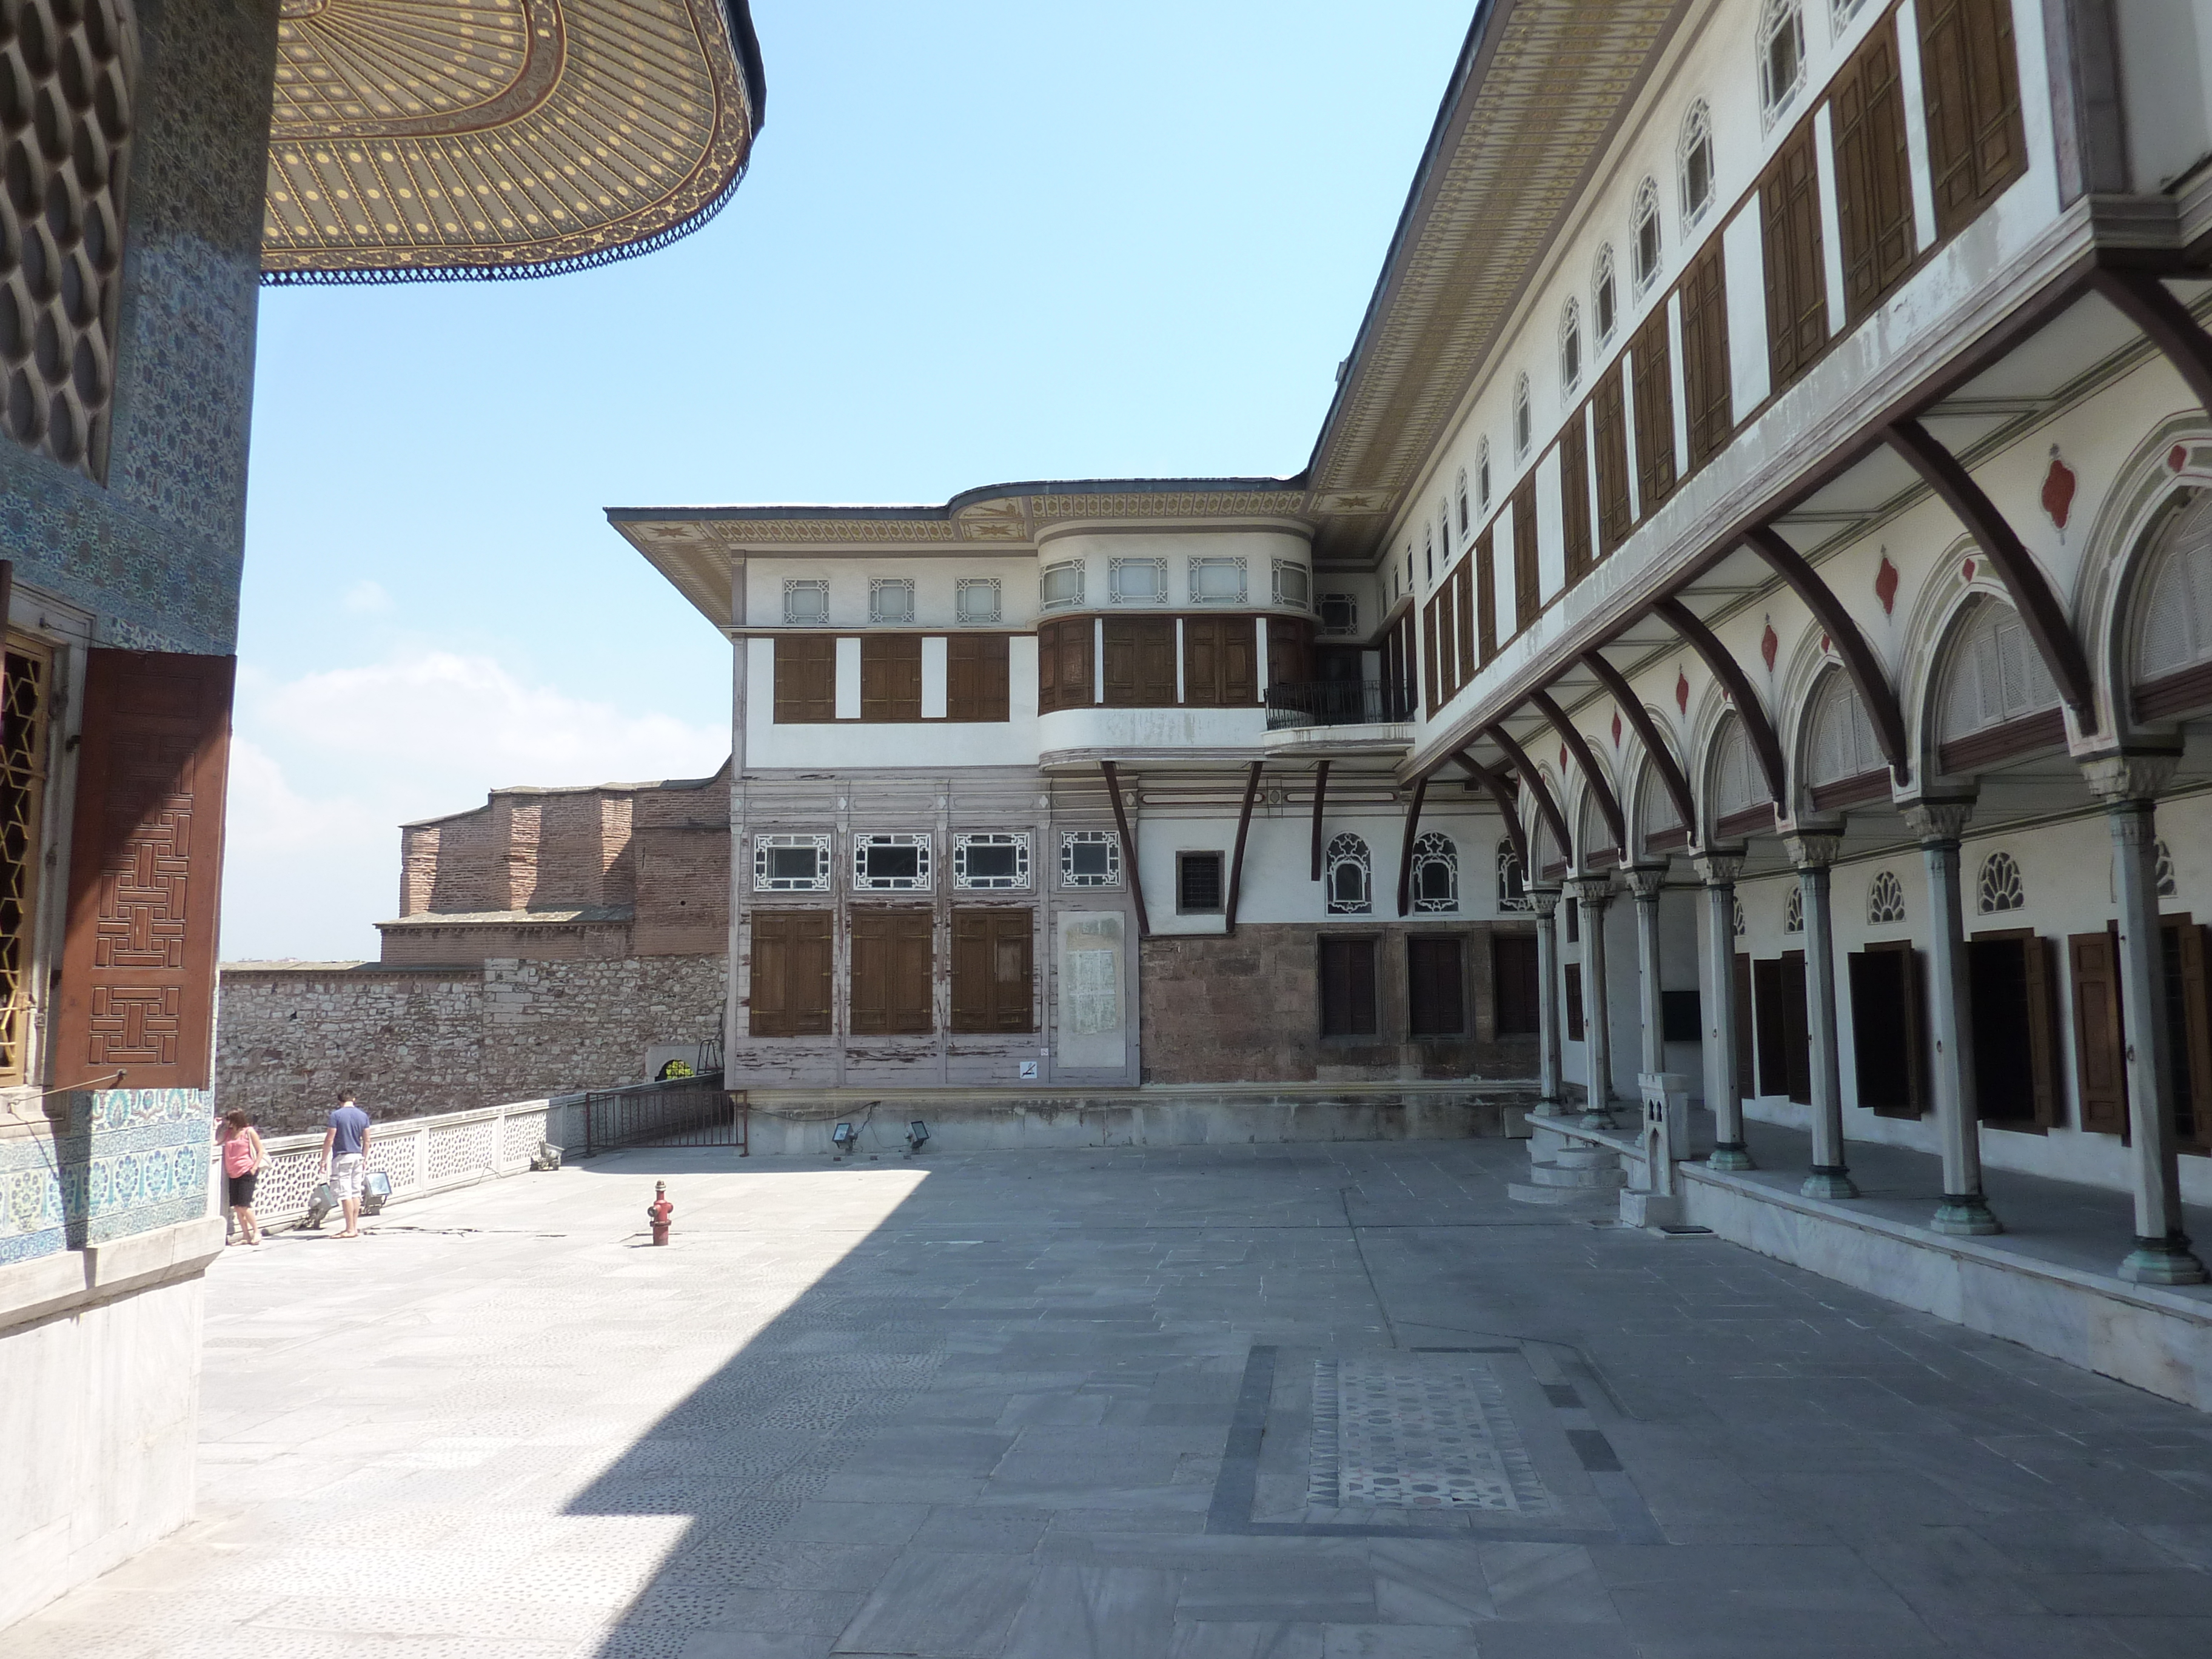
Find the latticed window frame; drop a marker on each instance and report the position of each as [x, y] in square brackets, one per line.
[1793, 911]
[920, 882]
[1777, 19]
[1348, 849]
[1226, 563]
[891, 600]
[764, 883]
[1885, 899]
[1696, 165]
[2168, 887]
[1293, 585]
[1070, 839]
[1999, 887]
[969, 591]
[963, 882]
[24, 761]
[1434, 848]
[1137, 581]
[1512, 880]
[797, 588]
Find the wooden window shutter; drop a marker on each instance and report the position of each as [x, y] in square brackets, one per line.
[2043, 1029]
[1463, 602]
[890, 676]
[993, 974]
[1740, 986]
[892, 960]
[1651, 374]
[1485, 596]
[1574, 1002]
[1078, 685]
[1435, 987]
[2189, 1038]
[1614, 517]
[1290, 651]
[138, 955]
[1773, 1038]
[1796, 1028]
[2100, 1068]
[1970, 79]
[1528, 600]
[806, 679]
[1219, 666]
[1874, 179]
[1429, 655]
[976, 681]
[1047, 639]
[1706, 387]
[1347, 987]
[1141, 661]
[791, 973]
[1886, 1029]
[1240, 663]
[1797, 280]
[1516, 984]
[1120, 638]
[1574, 497]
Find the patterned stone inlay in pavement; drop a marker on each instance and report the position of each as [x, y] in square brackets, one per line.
[1419, 1431]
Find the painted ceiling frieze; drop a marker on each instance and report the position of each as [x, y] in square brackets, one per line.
[428, 139]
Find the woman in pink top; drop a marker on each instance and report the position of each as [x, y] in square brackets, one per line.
[242, 1157]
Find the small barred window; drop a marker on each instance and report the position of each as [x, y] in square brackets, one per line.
[1695, 163]
[1482, 473]
[1436, 873]
[1644, 244]
[24, 707]
[1347, 873]
[1570, 346]
[1512, 881]
[1524, 429]
[1781, 55]
[1605, 307]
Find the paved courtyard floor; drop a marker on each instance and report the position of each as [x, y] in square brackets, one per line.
[1281, 1402]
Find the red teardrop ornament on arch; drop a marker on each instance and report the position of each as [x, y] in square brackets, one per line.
[1769, 644]
[1563, 757]
[1616, 731]
[1885, 586]
[1681, 691]
[2058, 490]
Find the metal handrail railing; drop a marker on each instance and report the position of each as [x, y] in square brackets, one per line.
[1337, 702]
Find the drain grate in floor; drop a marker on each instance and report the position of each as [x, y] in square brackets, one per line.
[1417, 1431]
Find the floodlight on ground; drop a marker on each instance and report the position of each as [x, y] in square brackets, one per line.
[842, 1138]
[916, 1133]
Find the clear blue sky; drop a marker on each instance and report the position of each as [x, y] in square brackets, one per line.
[978, 242]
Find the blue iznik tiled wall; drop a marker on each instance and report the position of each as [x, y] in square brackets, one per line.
[155, 554]
[125, 1161]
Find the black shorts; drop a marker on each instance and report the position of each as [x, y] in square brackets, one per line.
[241, 1189]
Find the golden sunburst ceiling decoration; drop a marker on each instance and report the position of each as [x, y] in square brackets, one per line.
[428, 138]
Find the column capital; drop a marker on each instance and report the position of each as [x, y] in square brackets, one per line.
[1546, 901]
[1592, 892]
[1938, 821]
[2116, 778]
[1812, 852]
[1718, 869]
[1644, 880]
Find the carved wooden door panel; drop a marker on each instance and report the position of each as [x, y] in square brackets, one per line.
[137, 984]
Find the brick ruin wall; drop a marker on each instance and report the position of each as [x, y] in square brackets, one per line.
[415, 1041]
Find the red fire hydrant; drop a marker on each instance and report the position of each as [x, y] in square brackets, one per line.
[659, 1210]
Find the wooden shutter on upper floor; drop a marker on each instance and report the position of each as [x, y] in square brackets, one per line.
[1463, 608]
[806, 679]
[790, 973]
[1220, 659]
[1616, 517]
[1651, 376]
[891, 678]
[1047, 639]
[2100, 1068]
[1705, 388]
[1797, 280]
[1485, 596]
[139, 952]
[1139, 662]
[1886, 1041]
[1873, 176]
[1079, 684]
[1347, 986]
[1575, 496]
[893, 955]
[1290, 651]
[1527, 597]
[976, 681]
[993, 973]
[1429, 654]
[1969, 78]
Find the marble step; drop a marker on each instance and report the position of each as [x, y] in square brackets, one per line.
[1587, 1177]
[1522, 1192]
[1581, 1155]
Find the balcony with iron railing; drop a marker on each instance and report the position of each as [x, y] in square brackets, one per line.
[1303, 703]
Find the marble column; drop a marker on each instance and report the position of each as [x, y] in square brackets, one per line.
[1594, 893]
[1644, 880]
[1551, 1101]
[1829, 1177]
[1964, 1210]
[2128, 784]
[1718, 871]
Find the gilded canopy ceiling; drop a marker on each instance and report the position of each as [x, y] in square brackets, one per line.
[426, 138]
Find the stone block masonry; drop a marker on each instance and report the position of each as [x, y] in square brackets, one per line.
[415, 1041]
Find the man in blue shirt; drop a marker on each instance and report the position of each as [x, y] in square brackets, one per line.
[345, 1159]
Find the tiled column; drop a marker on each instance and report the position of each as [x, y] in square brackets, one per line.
[1594, 893]
[1964, 1211]
[1718, 871]
[1546, 901]
[1644, 880]
[2128, 785]
[1829, 1177]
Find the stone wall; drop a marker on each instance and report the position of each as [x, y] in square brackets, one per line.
[418, 1041]
[1247, 1008]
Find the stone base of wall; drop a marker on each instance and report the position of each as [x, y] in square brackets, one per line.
[417, 1041]
[1245, 1008]
[801, 1122]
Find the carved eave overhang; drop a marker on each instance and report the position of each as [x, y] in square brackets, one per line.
[697, 548]
[420, 139]
[1540, 89]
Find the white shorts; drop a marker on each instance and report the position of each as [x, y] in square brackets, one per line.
[347, 1174]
